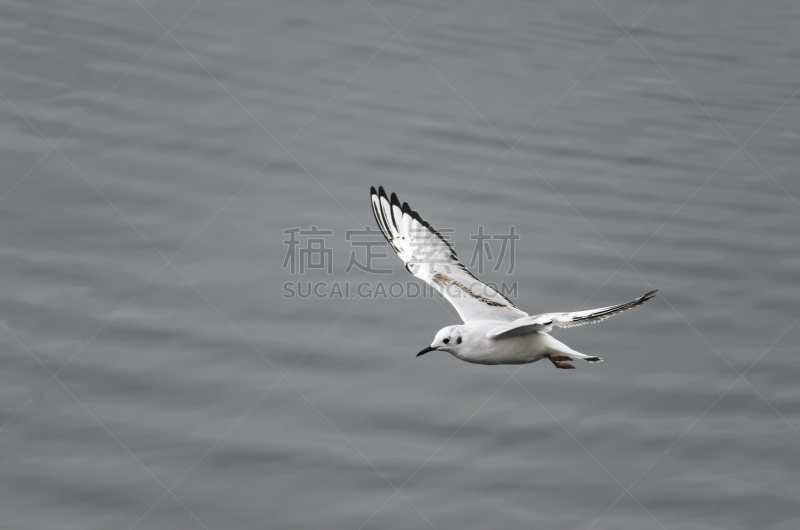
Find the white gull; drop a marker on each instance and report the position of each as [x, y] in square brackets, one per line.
[495, 331]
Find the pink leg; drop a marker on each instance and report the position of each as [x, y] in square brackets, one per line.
[557, 361]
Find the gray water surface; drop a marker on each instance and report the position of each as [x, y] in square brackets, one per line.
[155, 376]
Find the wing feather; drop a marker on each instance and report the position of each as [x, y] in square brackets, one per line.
[546, 321]
[430, 257]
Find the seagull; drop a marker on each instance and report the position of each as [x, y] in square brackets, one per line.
[495, 331]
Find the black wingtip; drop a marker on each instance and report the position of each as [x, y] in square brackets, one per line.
[649, 295]
[395, 201]
[372, 191]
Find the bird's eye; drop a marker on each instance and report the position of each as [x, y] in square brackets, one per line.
[458, 340]
[446, 341]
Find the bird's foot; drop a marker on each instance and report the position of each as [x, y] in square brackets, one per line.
[557, 361]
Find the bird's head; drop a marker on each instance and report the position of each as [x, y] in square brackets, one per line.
[448, 339]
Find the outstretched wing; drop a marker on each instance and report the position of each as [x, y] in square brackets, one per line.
[546, 321]
[428, 256]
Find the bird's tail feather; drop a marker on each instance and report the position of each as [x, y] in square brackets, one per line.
[581, 357]
[557, 347]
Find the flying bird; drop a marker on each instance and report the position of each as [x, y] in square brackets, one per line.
[494, 331]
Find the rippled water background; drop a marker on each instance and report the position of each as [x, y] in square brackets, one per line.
[148, 178]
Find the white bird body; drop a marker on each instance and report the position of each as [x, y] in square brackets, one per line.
[495, 331]
[476, 348]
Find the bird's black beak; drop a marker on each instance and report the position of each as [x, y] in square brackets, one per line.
[426, 350]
